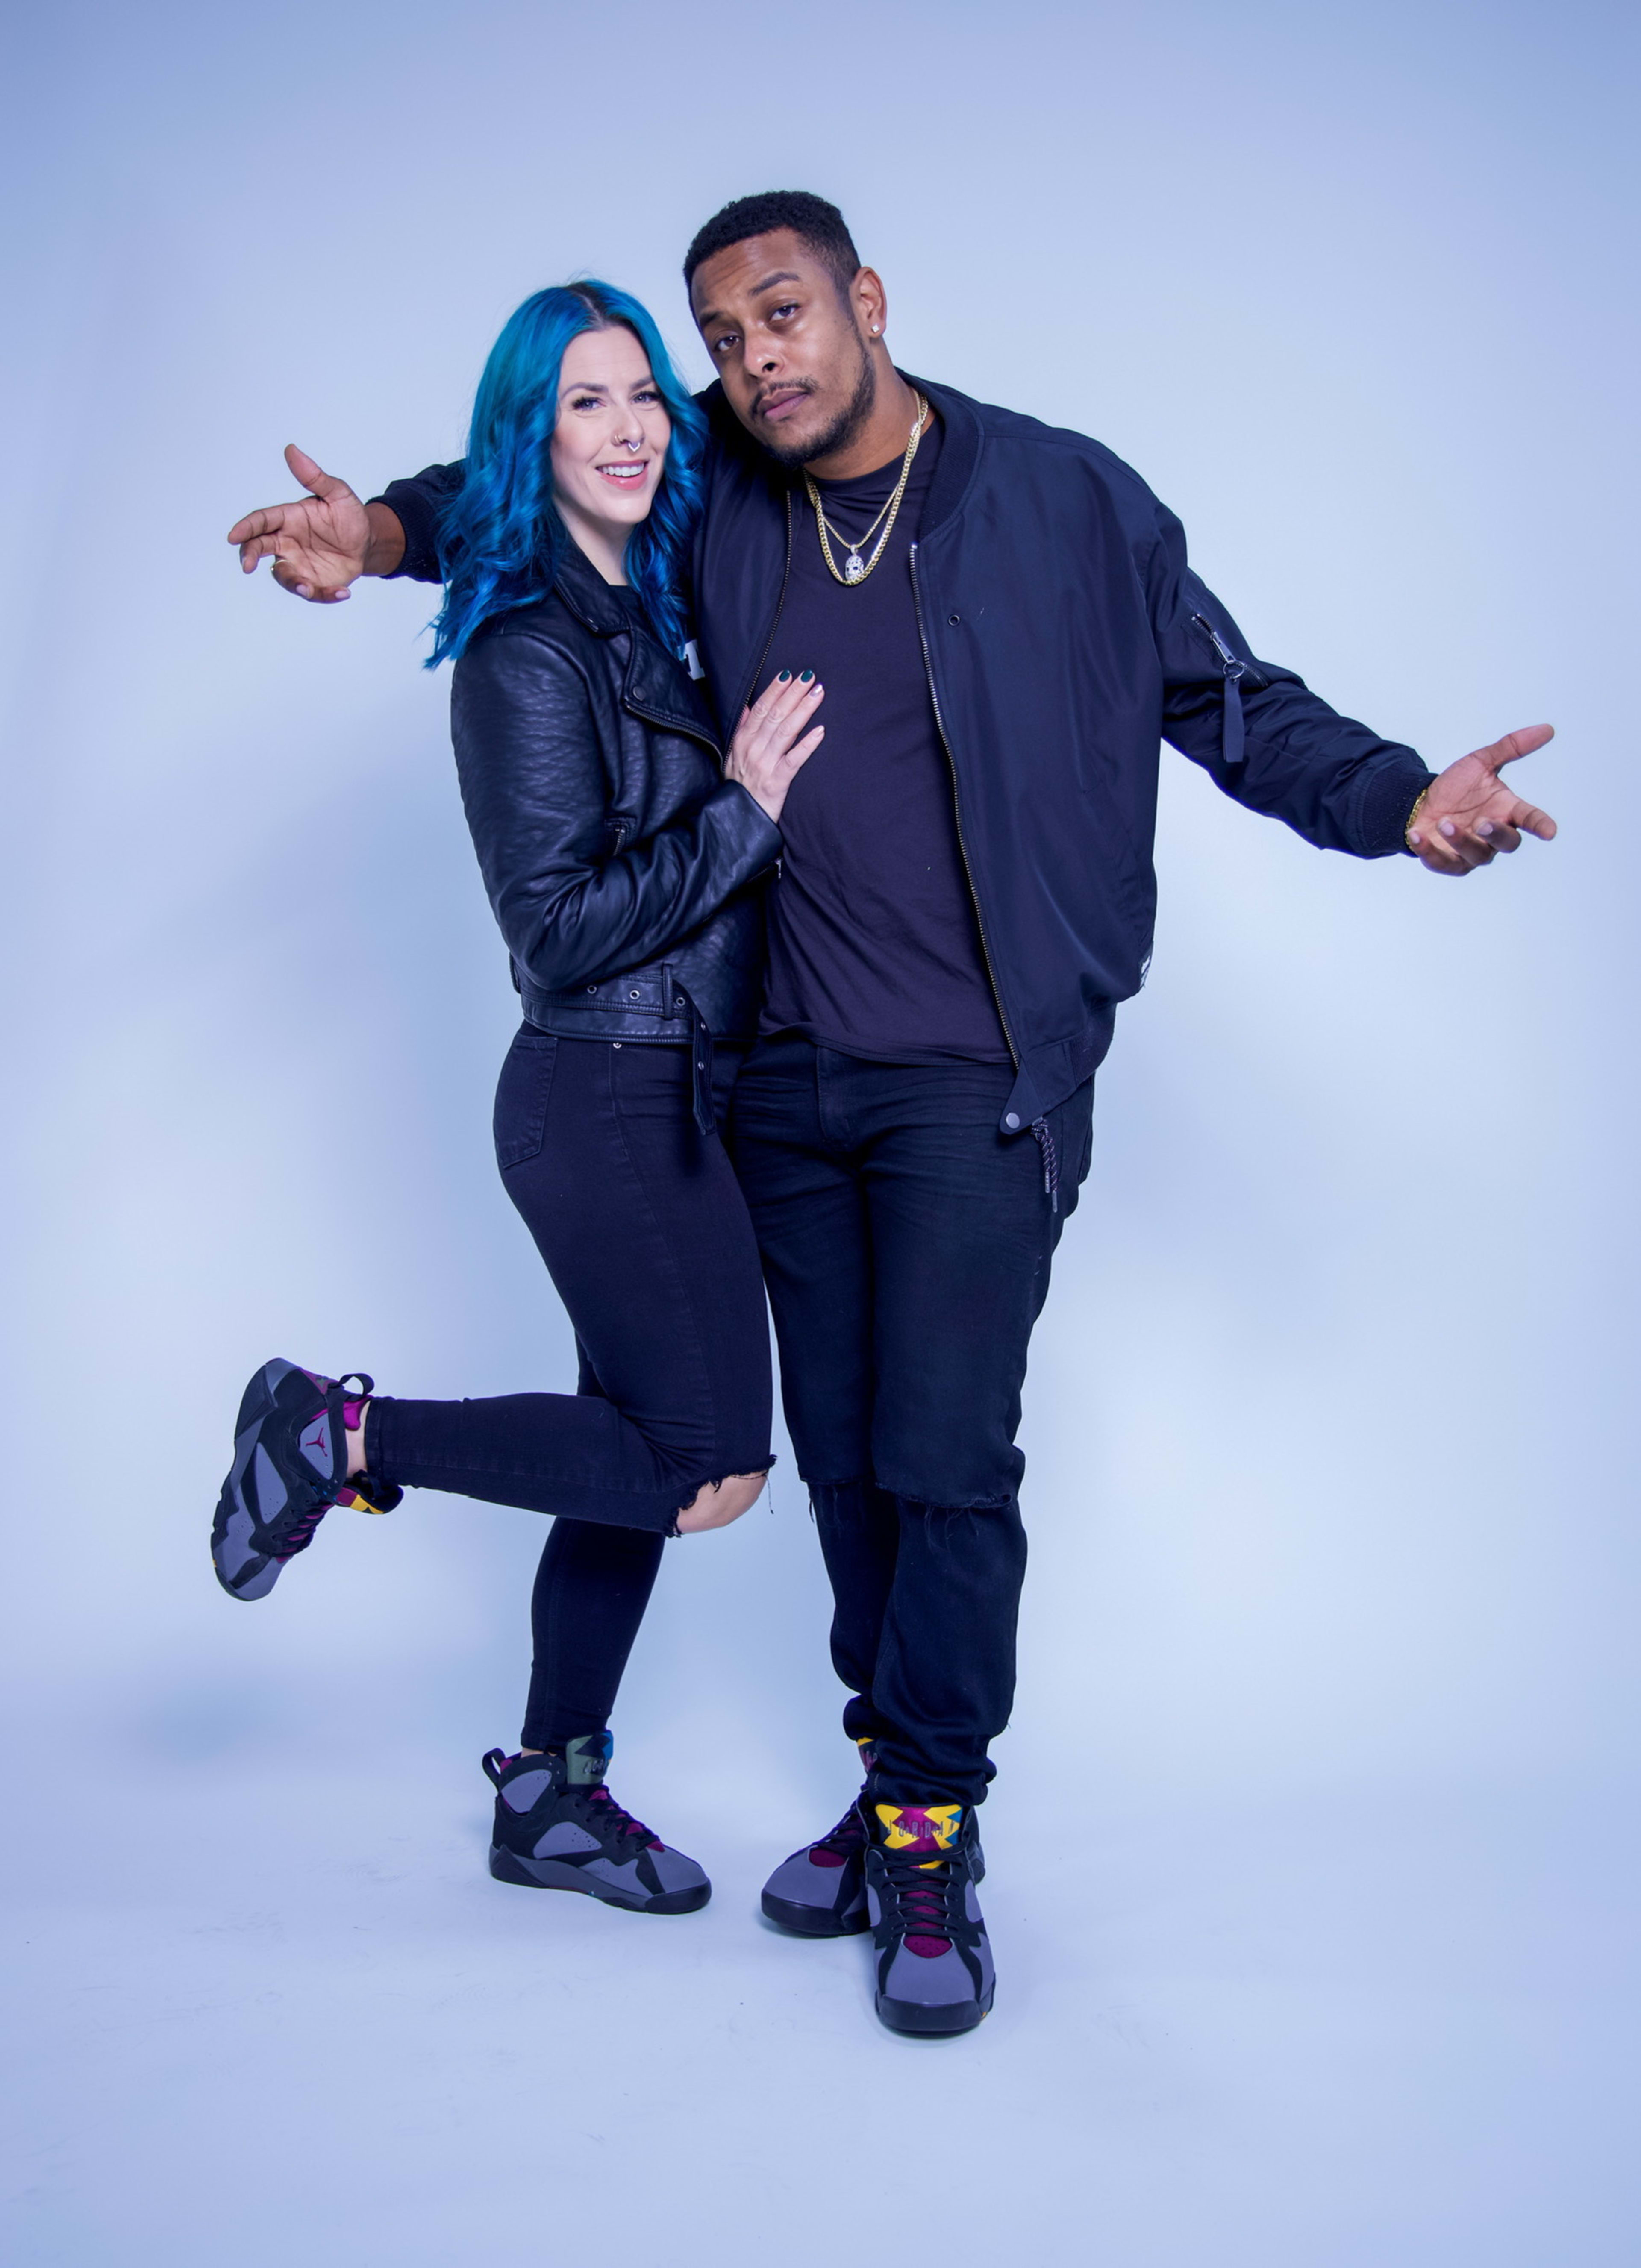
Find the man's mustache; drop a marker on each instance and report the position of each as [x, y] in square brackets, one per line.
[787, 386]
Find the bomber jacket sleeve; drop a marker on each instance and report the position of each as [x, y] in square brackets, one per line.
[1332, 780]
[418, 502]
[575, 907]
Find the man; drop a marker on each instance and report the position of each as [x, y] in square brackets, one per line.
[1005, 623]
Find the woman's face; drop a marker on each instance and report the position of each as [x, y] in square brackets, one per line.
[610, 441]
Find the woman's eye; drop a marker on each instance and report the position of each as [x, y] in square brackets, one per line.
[586, 402]
[646, 394]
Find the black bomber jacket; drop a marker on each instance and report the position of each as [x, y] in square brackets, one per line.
[1064, 635]
[624, 869]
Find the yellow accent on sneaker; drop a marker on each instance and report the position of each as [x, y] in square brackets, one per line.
[940, 1820]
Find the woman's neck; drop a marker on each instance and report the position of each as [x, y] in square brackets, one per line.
[600, 542]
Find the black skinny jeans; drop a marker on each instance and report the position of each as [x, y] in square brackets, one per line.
[646, 1235]
[906, 1247]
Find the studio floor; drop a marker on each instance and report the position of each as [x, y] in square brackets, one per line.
[276, 2010]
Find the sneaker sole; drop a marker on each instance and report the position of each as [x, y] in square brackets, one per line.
[927, 2023]
[554, 1875]
[811, 1921]
[243, 1571]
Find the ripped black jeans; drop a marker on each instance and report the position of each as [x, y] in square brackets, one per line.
[646, 1238]
[906, 1244]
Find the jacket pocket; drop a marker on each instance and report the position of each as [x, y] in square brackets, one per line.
[522, 1094]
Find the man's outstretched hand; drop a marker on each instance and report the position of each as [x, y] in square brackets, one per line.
[324, 541]
[1468, 815]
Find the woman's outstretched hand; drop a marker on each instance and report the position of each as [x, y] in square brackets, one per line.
[775, 740]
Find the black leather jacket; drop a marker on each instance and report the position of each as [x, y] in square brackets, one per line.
[623, 867]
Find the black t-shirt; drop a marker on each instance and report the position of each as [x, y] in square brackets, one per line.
[874, 947]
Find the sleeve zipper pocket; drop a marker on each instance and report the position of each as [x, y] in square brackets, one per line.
[1233, 738]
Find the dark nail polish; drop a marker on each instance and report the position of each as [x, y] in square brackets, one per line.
[806, 677]
[785, 678]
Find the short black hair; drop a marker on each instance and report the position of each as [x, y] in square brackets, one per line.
[820, 225]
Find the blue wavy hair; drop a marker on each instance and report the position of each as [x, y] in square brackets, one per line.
[500, 537]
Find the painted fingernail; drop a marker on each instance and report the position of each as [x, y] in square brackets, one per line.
[785, 677]
[1485, 827]
[1416, 839]
[1448, 828]
[806, 677]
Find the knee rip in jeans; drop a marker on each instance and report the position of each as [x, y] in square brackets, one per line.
[748, 1485]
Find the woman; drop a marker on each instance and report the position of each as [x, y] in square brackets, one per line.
[624, 867]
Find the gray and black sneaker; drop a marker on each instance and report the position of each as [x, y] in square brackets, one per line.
[821, 1891]
[933, 1956]
[290, 1466]
[558, 1827]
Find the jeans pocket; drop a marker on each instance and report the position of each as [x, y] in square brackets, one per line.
[521, 1097]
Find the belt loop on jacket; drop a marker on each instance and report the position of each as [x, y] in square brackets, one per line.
[700, 1062]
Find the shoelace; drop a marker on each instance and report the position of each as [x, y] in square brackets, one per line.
[846, 1838]
[615, 1815]
[302, 1534]
[922, 1890]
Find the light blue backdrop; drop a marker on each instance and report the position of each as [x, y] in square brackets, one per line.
[1328, 1697]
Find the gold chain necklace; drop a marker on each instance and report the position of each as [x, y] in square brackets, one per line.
[856, 569]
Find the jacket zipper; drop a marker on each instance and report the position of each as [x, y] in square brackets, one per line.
[1228, 661]
[671, 725]
[786, 577]
[957, 808]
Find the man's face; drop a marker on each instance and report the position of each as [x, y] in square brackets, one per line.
[789, 348]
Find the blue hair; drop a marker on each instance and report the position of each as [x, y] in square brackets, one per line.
[500, 537]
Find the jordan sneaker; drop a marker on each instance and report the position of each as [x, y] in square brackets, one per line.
[821, 1891]
[558, 1827]
[932, 1958]
[289, 1467]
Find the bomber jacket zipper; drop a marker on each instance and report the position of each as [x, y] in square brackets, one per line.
[957, 809]
[1233, 740]
[1228, 661]
[786, 577]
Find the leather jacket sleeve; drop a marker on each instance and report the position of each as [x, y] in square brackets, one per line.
[1258, 730]
[574, 904]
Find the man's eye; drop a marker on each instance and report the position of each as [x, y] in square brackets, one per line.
[723, 342]
[787, 308]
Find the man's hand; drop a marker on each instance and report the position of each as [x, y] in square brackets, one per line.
[322, 543]
[1468, 815]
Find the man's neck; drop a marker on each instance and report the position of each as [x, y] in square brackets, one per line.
[884, 436]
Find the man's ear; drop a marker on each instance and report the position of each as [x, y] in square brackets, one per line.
[870, 302]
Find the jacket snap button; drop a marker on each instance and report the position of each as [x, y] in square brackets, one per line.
[633, 994]
[954, 620]
[1011, 1119]
[593, 988]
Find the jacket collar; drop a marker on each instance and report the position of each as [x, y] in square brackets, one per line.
[587, 595]
[654, 685]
